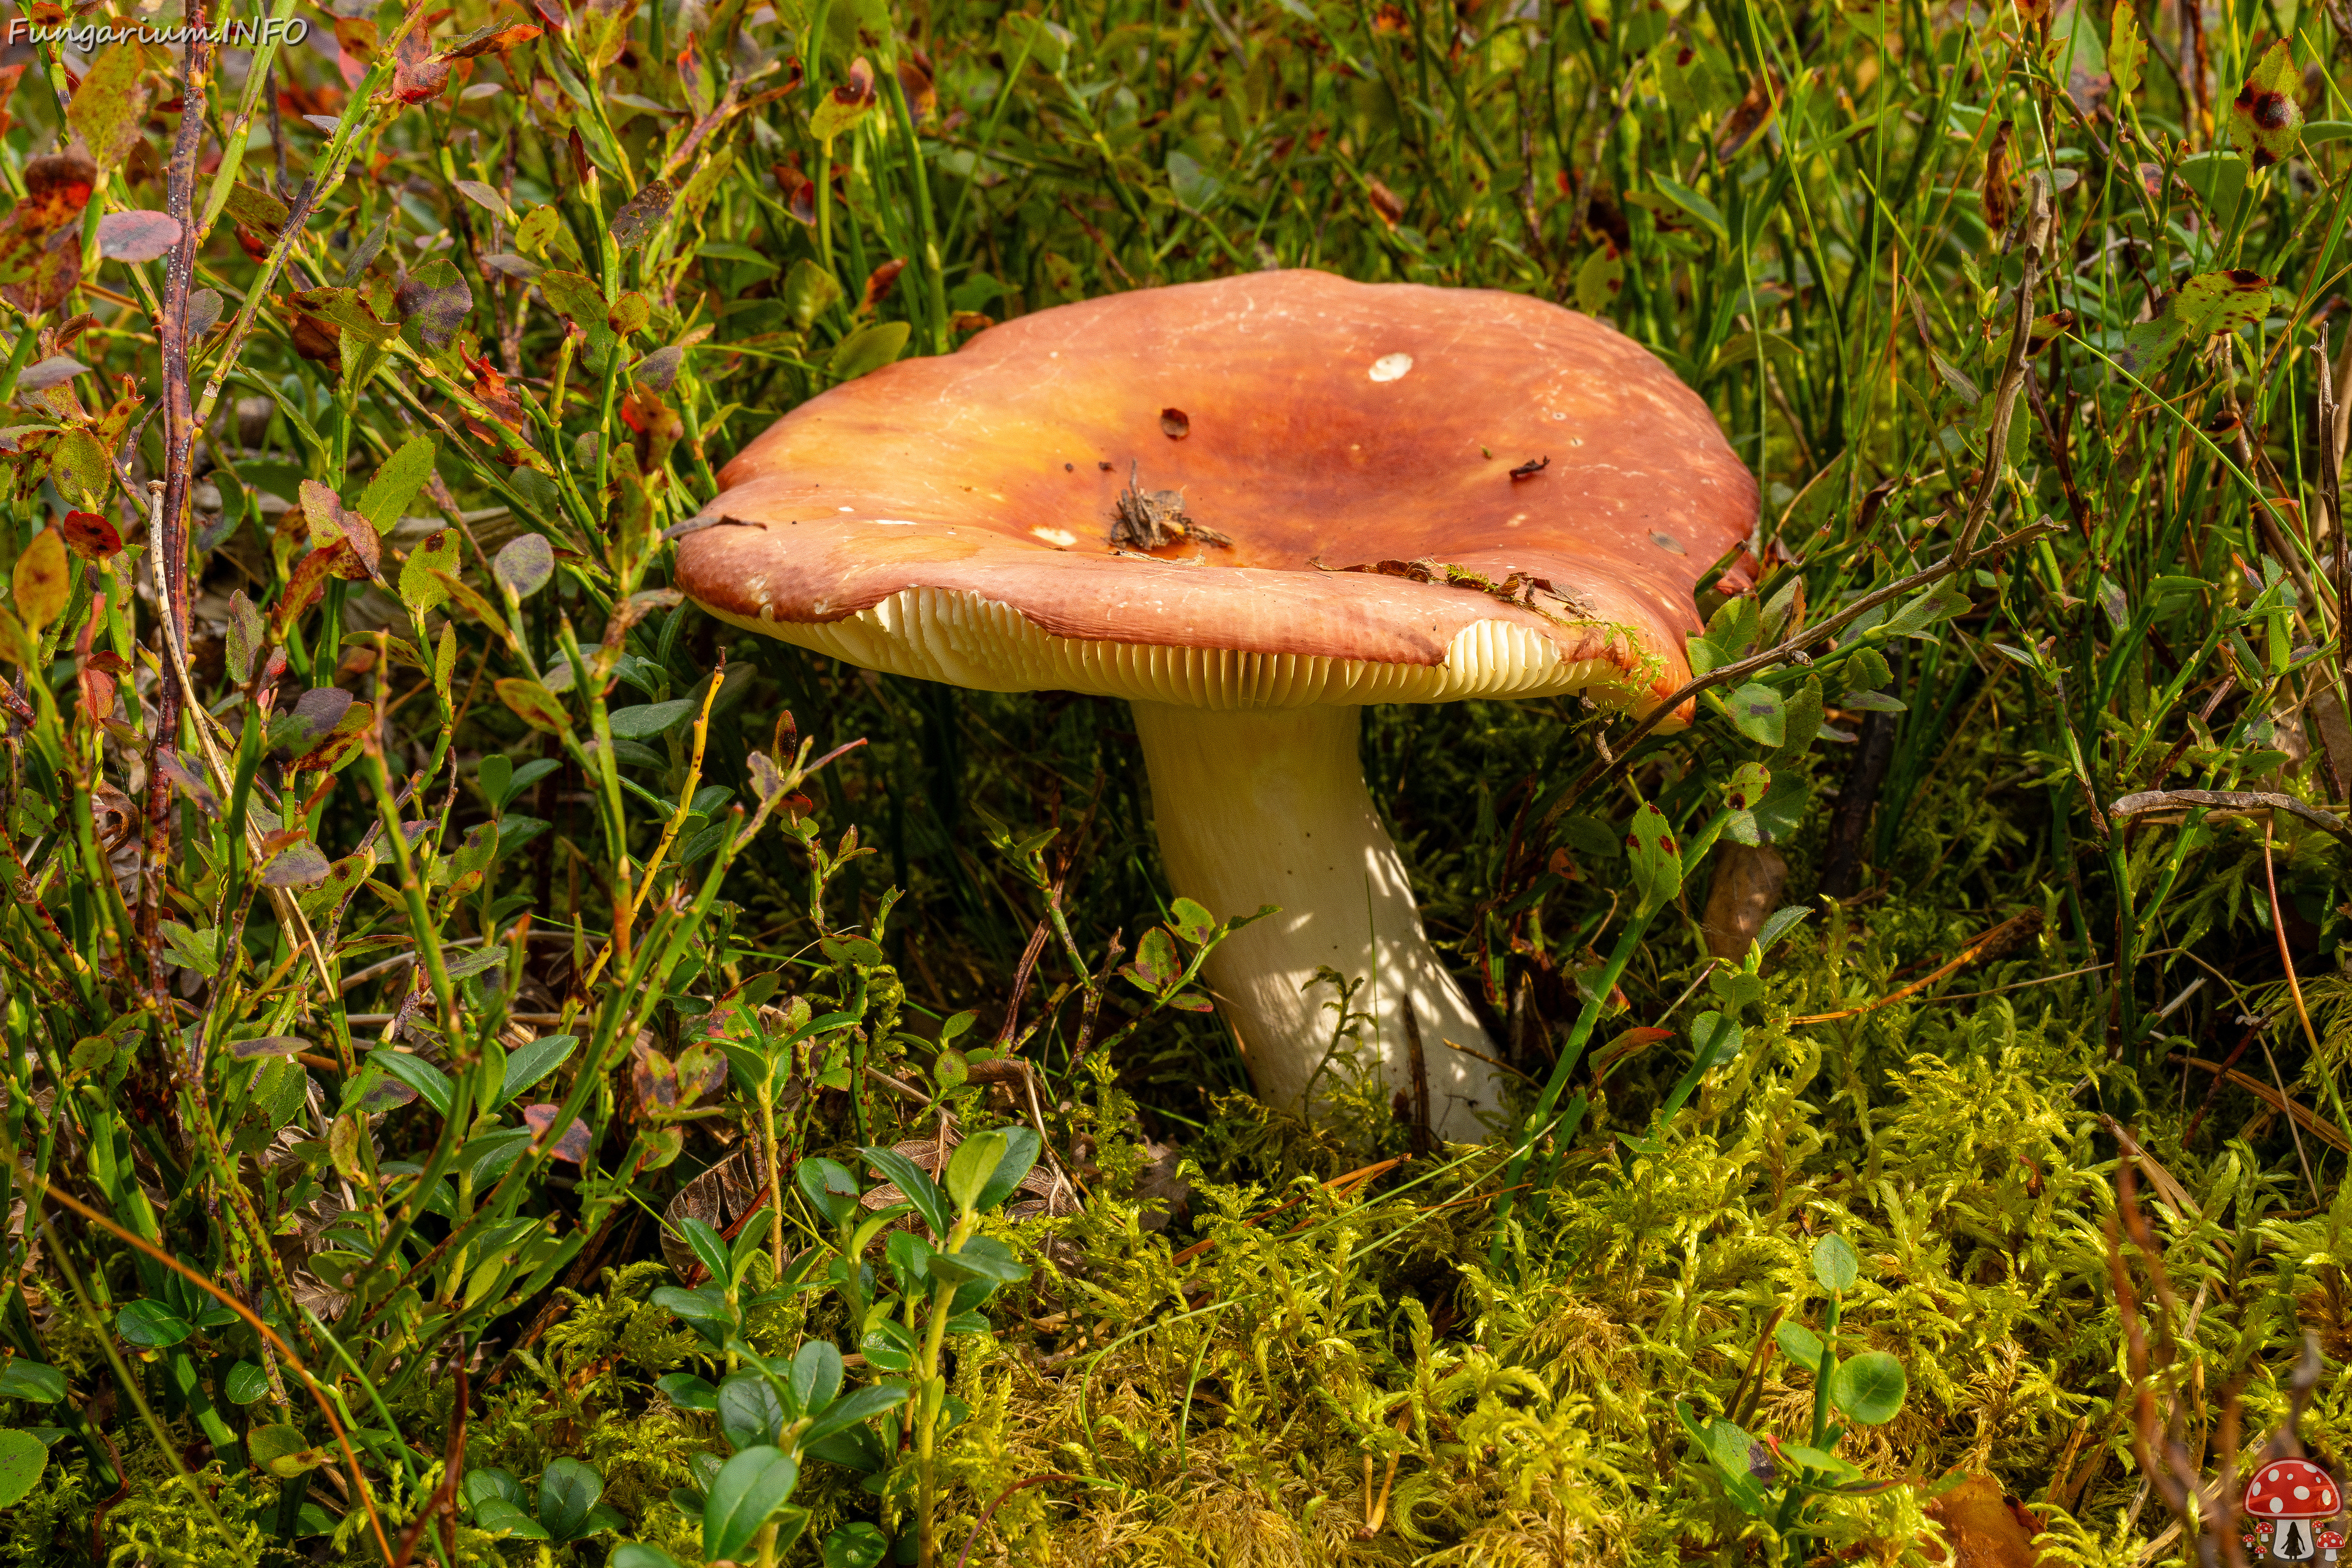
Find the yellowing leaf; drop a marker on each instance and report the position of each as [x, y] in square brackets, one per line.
[534, 705]
[41, 582]
[2264, 111]
[2126, 50]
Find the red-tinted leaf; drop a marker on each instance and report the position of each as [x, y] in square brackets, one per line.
[491, 40]
[641, 214]
[297, 866]
[91, 536]
[137, 236]
[878, 281]
[437, 301]
[419, 75]
[54, 371]
[655, 1081]
[799, 193]
[572, 1147]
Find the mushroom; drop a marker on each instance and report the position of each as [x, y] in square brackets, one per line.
[1250, 507]
[2283, 1500]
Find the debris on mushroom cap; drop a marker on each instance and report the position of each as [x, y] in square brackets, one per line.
[2290, 1489]
[1295, 450]
[1153, 520]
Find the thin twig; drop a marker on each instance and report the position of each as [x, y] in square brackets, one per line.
[2230, 802]
[2034, 233]
[1620, 754]
[169, 542]
[2014, 926]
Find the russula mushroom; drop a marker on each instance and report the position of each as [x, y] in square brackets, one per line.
[1251, 507]
[2284, 1500]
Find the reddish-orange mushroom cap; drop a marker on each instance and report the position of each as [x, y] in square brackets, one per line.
[2292, 1489]
[1251, 508]
[1424, 493]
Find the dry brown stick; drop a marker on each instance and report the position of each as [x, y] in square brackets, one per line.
[2310, 1120]
[2230, 803]
[2331, 489]
[2033, 234]
[443, 1496]
[38, 1191]
[1342, 1185]
[171, 541]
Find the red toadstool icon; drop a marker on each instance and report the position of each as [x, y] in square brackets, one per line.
[2283, 1500]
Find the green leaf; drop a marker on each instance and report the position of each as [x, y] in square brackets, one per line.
[1869, 1387]
[31, 1380]
[151, 1325]
[982, 1258]
[708, 1246]
[867, 349]
[431, 1084]
[817, 1375]
[22, 1458]
[1709, 215]
[488, 1483]
[750, 1412]
[1800, 1345]
[686, 1391]
[500, 1517]
[748, 1488]
[245, 1383]
[283, 1451]
[1835, 1263]
[858, 1545]
[1020, 1151]
[1194, 186]
[1736, 1458]
[637, 1554]
[1830, 1465]
[1757, 710]
[1780, 924]
[109, 106]
[421, 587]
[568, 1491]
[1714, 1040]
[527, 1064]
[809, 292]
[1657, 860]
[395, 485]
[851, 1408]
[1917, 614]
[969, 1167]
[648, 719]
[911, 1180]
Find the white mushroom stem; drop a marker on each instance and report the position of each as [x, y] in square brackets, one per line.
[1269, 807]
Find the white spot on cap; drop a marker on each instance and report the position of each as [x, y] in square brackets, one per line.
[1059, 538]
[847, 509]
[2303, 1491]
[894, 522]
[1391, 367]
[2278, 1505]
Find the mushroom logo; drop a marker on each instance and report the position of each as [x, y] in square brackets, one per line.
[2286, 1501]
[2331, 1541]
[1250, 507]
